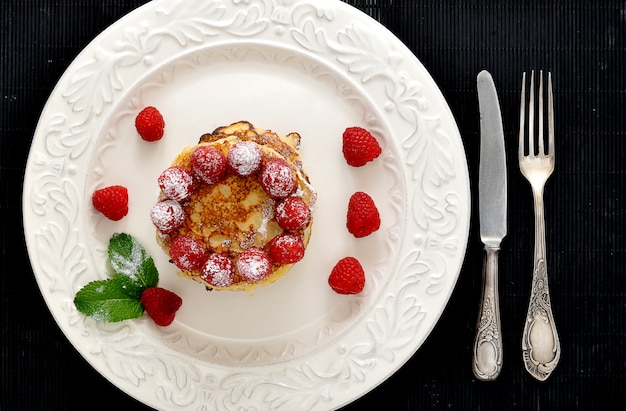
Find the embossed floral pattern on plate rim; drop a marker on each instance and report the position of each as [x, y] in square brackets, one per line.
[434, 204]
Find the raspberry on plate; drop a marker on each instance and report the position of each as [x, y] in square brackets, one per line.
[359, 146]
[208, 164]
[347, 276]
[176, 183]
[167, 215]
[187, 253]
[150, 124]
[292, 213]
[160, 304]
[277, 178]
[254, 264]
[218, 270]
[286, 248]
[111, 201]
[363, 217]
[244, 158]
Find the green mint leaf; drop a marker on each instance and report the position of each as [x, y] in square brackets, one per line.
[107, 300]
[132, 264]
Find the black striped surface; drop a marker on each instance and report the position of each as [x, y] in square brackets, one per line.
[583, 43]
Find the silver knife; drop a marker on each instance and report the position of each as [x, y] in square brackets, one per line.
[487, 361]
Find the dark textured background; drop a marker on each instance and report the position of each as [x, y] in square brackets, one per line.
[582, 42]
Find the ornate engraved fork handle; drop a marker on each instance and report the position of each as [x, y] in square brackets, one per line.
[541, 348]
[487, 362]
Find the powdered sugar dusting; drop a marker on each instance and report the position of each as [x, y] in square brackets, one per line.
[254, 264]
[208, 164]
[128, 265]
[176, 183]
[278, 179]
[286, 248]
[267, 211]
[218, 270]
[288, 240]
[167, 215]
[187, 253]
[245, 158]
[292, 213]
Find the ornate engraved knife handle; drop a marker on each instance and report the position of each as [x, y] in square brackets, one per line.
[487, 361]
[541, 348]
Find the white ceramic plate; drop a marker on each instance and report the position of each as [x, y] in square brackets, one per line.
[315, 67]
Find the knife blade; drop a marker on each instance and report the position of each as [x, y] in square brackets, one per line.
[492, 208]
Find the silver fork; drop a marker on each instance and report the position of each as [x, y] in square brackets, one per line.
[541, 348]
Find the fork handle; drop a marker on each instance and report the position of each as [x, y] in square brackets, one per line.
[487, 358]
[541, 348]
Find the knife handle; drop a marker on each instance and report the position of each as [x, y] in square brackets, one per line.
[487, 358]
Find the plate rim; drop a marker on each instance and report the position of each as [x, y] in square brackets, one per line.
[322, 7]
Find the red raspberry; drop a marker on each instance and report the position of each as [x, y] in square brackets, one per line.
[277, 178]
[254, 265]
[286, 248]
[111, 201]
[347, 277]
[160, 304]
[244, 158]
[218, 270]
[150, 124]
[292, 213]
[167, 216]
[208, 164]
[359, 146]
[176, 183]
[187, 253]
[363, 218]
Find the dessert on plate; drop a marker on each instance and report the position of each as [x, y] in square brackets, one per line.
[235, 210]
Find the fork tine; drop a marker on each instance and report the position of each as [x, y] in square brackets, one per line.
[522, 118]
[531, 116]
[541, 151]
[550, 117]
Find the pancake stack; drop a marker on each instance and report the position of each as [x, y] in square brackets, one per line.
[235, 217]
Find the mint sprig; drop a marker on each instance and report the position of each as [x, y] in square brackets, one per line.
[118, 298]
[107, 300]
[132, 265]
